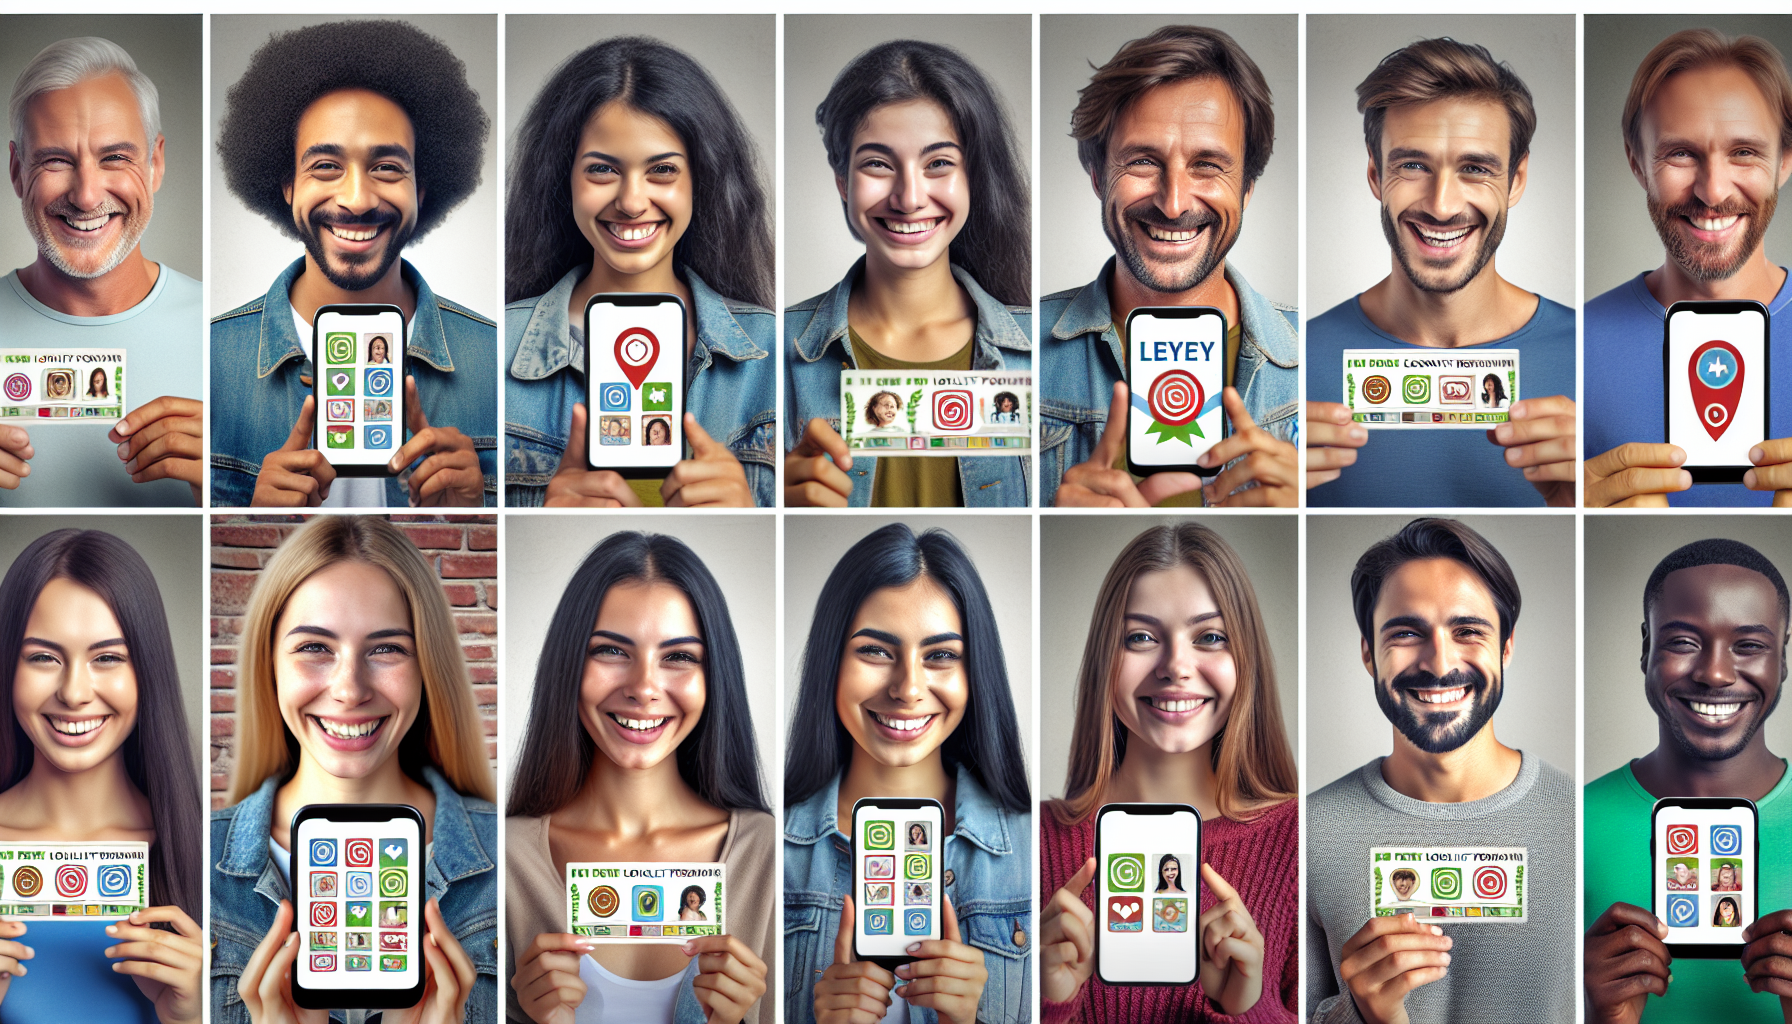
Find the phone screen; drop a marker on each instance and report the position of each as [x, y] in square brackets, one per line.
[359, 900]
[1717, 377]
[357, 360]
[895, 876]
[1148, 893]
[1176, 359]
[1705, 864]
[634, 355]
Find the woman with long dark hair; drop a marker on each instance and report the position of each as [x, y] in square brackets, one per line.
[905, 693]
[639, 748]
[632, 173]
[933, 184]
[97, 749]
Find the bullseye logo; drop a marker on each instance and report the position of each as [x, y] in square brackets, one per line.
[1175, 398]
[614, 397]
[18, 387]
[880, 835]
[915, 866]
[636, 352]
[358, 853]
[1726, 840]
[323, 914]
[1683, 911]
[379, 383]
[1446, 883]
[360, 883]
[114, 880]
[71, 880]
[878, 922]
[394, 882]
[27, 881]
[952, 409]
[323, 853]
[1377, 389]
[339, 347]
[603, 901]
[1682, 840]
[917, 921]
[1126, 872]
[1416, 389]
[1490, 882]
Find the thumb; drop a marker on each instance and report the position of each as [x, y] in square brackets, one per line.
[300, 438]
[413, 409]
[1079, 882]
[573, 460]
[1113, 435]
[843, 938]
[702, 445]
[949, 923]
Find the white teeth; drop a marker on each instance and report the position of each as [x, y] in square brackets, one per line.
[1714, 710]
[349, 732]
[1713, 223]
[1175, 706]
[911, 227]
[1170, 236]
[87, 225]
[902, 724]
[632, 233]
[638, 724]
[1441, 696]
[352, 236]
[80, 728]
[1442, 240]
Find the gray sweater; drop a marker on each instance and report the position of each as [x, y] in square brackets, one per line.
[1498, 972]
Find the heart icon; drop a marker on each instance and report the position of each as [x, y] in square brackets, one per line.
[393, 850]
[1125, 909]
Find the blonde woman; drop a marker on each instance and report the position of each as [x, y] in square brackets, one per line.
[352, 689]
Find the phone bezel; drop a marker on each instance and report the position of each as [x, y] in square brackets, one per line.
[400, 369]
[1718, 474]
[890, 963]
[1708, 950]
[1176, 313]
[1194, 935]
[357, 998]
[684, 326]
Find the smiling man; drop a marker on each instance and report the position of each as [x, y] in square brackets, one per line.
[1436, 605]
[355, 139]
[1448, 130]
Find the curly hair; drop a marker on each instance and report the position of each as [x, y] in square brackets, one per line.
[393, 58]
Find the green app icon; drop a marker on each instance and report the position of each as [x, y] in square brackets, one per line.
[1416, 388]
[1446, 883]
[656, 396]
[915, 866]
[339, 382]
[880, 835]
[1126, 872]
[343, 437]
[339, 347]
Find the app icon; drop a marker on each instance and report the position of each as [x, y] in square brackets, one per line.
[357, 940]
[1446, 883]
[880, 866]
[323, 883]
[614, 430]
[656, 396]
[1169, 914]
[358, 853]
[603, 901]
[338, 410]
[339, 437]
[952, 409]
[323, 940]
[394, 882]
[915, 865]
[1416, 388]
[1456, 390]
[379, 383]
[636, 351]
[1376, 389]
[374, 410]
[357, 963]
[18, 387]
[392, 942]
[395, 853]
[880, 921]
[323, 961]
[1726, 840]
[71, 881]
[394, 914]
[379, 436]
[339, 382]
[880, 835]
[1682, 840]
[1126, 913]
[391, 963]
[879, 894]
[917, 892]
[323, 914]
[1126, 872]
[360, 914]
[360, 883]
[114, 879]
[323, 853]
[1683, 911]
[647, 902]
[339, 347]
[1490, 882]
[917, 921]
[614, 397]
[379, 347]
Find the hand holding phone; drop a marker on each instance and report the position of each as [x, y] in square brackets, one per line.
[1704, 864]
[1715, 361]
[357, 884]
[634, 382]
[1147, 894]
[896, 877]
[357, 378]
[1176, 369]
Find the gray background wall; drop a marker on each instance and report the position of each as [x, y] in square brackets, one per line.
[166, 47]
[1075, 553]
[1346, 251]
[1621, 242]
[818, 248]
[1536, 714]
[1072, 247]
[459, 258]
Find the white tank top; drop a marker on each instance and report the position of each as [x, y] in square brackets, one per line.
[612, 999]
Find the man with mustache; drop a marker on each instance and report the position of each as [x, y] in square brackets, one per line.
[1173, 132]
[1437, 605]
[1449, 132]
[86, 160]
[354, 138]
[1713, 661]
[1708, 132]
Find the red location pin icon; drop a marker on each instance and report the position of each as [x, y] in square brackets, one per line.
[636, 352]
[1716, 376]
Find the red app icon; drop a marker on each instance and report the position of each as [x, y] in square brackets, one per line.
[1126, 913]
[392, 942]
[323, 914]
[358, 853]
[952, 409]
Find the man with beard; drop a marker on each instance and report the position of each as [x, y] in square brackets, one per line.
[86, 160]
[1714, 662]
[1708, 132]
[354, 138]
[1436, 605]
[1449, 131]
[1173, 133]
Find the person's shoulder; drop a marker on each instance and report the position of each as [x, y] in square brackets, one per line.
[808, 306]
[252, 308]
[1346, 793]
[1618, 301]
[1553, 785]
[1337, 325]
[180, 288]
[526, 305]
[449, 306]
[756, 826]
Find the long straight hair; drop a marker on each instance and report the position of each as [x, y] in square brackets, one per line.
[987, 740]
[719, 759]
[729, 241]
[1251, 756]
[158, 754]
[446, 733]
[995, 244]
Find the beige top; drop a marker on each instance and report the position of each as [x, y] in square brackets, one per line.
[535, 896]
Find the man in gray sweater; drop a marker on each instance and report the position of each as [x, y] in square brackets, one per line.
[1436, 605]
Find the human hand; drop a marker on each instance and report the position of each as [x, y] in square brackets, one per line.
[12, 952]
[163, 438]
[451, 474]
[810, 478]
[730, 977]
[1635, 475]
[448, 976]
[1767, 959]
[1389, 957]
[1626, 958]
[1540, 439]
[297, 475]
[165, 965]
[851, 991]
[711, 478]
[1231, 966]
[266, 982]
[1097, 484]
[1332, 441]
[576, 485]
[547, 981]
[1773, 470]
[1067, 938]
[947, 975]
[1267, 459]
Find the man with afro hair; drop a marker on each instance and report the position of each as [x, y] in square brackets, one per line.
[353, 138]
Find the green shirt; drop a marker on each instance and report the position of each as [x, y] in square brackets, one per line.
[1617, 812]
[913, 481]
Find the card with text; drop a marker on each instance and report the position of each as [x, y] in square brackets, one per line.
[649, 901]
[73, 881]
[1449, 884]
[61, 385]
[1430, 387]
[937, 412]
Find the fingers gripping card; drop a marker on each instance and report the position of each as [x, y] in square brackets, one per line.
[1430, 387]
[936, 412]
[65, 385]
[73, 881]
[652, 901]
[1449, 884]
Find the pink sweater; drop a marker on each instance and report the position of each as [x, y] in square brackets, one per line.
[1261, 859]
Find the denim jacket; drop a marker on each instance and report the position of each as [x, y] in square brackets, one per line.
[1004, 341]
[1079, 370]
[988, 860]
[258, 361]
[247, 887]
[733, 397]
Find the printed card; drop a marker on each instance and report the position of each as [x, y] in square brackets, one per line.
[1449, 884]
[73, 881]
[61, 385]
[650, 901]
[936, 412]
[1430, 387]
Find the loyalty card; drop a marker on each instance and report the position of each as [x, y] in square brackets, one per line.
[73, 881]
[1717, 391]
[62, 385]
[634, 378]
[1706, 873]
[896, 876]
[1147, 893]
[358, 363]
[1430, 387]
[1449, 884]
[936, 412]
[358, 890]
[650, 901]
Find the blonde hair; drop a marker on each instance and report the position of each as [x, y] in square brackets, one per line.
[446, 733]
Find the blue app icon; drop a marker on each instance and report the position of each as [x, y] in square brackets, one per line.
[614, 398]
[1683, 911]
[1726, 840]
[917, 921]
[879, 922]
[379, 382]
[323, 853]
[378, 437]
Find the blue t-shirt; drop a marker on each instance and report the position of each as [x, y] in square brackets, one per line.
[1625, 387]
[70, 979]
[1451, 467]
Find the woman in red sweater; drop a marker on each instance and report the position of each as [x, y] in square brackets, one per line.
[1176, 703]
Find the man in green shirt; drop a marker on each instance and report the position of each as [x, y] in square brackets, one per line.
[1714, 659]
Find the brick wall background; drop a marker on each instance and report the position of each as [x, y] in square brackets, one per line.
[464, 552]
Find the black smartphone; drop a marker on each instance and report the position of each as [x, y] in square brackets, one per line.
[1147, 872]
[1717, 399]
[896, 850]
[1704, 867]
[357, 377]
[357, 892]
[1175, 370]
[634, 382]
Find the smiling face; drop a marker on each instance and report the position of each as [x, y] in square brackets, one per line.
[1437, 661]
[1726, 876]
[643, 690]
[1682, 873]
[902, 687]
[1405, 883]
[1175, 677]
[1714, 658]
[74, 690]
[1167, 873]
[906, 191]
[354, 192]
[882, 409]
[346, 670]
[631, 188]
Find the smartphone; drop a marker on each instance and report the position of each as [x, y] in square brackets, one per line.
[634, 382]
[1175, 369]
[896, 850]
[1148, 859]
[357, 890]
[1704, 859]
[357, 378]
[1714, 355]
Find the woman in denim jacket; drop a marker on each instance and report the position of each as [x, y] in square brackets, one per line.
[633, 173]
[353, 690]
[905, 694]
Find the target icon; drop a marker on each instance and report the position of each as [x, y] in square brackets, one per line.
[323, 853]
[603, 901]
[339, 347]
[1682, 839]
[1126, 872]
[360, 884]
[1175, 398]
[1490, 882]
[394, 882]
[1416, 389]
[323, 914]
[27, 881]
[358, 853]
[1726, 840]
[379, 383]
[1683, 911]
[915, 866]
[918, 921]
[114, 880]
[880, 835]
[952, 410]
[71, 880]
[18, 387]
[1446, 883]
[1377, 389]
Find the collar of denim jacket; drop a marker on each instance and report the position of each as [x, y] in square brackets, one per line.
[996, 326]
[425, 337]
